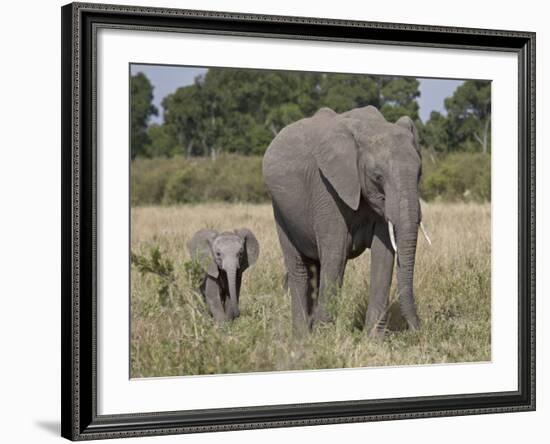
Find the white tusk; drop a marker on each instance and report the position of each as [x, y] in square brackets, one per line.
[392, 236]
[425, 233]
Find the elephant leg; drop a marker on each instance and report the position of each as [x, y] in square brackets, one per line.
[212, 295]
[330, 280]
[298, 281]
[285, 281]
[382, 259]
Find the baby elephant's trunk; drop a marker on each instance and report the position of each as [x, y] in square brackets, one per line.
[232, 306]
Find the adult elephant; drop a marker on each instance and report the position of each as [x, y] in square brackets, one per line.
[341, 183]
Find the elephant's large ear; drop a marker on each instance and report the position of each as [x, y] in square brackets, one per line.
[407, 123]
[336, 156]
[200, 248]
[252, 247]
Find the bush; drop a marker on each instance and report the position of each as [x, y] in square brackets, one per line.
[184, 185]
[229, 178]
[148, 179]
[161, 268]
[236, 178]
[457, 177]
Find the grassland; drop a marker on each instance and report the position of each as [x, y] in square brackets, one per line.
[178, 337]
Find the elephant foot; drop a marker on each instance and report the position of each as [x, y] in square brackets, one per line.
[322, 320]
[233, 314]
[376, 322]
[377, 335]
[321, 316]
[376, 331]
[414, 323]
[300, 331]
[410, 315]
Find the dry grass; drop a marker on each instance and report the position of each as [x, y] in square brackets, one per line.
[452, 287]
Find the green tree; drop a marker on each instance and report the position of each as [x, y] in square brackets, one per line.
[435, 133]
[397, 98]
[342, 92]
[469, 116]
[184, 115]
[161, 141]
[141, 109]
[241, 110]
[466, 125]
[394, 96]
[237, 110]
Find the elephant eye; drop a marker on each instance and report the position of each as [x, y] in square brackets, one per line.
[376, 177]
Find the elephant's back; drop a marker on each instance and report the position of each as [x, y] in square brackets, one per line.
[289, 151]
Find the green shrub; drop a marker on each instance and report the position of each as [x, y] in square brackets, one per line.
[184, 185]
[234, 178]
[457, 177]
[160, 267]
[148, 178]
[237, 179]
[194, 272]
[228, 178]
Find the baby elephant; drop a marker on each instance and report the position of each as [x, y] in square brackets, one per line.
[224, 257]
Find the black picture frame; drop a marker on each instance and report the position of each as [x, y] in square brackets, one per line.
[80, 420]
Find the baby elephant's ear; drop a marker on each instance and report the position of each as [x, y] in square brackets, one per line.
[252, 247]
[200, 248]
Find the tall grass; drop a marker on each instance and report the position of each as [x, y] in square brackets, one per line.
[452, 290]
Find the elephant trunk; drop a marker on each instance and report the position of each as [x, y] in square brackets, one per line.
[407, 236]
[232, 309]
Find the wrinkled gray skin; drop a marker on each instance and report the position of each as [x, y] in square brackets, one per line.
[335, 182]
[224, 257]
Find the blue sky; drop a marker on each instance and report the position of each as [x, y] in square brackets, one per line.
[166, 79]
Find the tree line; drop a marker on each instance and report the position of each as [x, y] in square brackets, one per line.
[229, 110]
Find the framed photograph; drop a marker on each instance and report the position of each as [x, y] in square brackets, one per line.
[281, 221]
